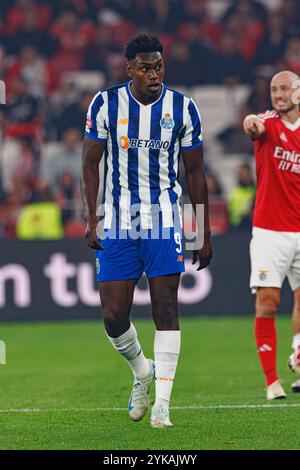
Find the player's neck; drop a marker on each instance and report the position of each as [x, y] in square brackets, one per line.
[291, 116]
[143, 98]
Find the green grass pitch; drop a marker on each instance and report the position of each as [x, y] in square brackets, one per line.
[70, 375]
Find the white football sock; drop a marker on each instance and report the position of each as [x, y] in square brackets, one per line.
[296, 341]
[166, 354]
[129, 347]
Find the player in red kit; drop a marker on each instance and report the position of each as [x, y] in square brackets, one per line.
[275, 244]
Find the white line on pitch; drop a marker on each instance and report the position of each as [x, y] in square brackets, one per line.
[176, 408]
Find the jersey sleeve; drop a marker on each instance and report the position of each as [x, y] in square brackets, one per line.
[267, 119]
[96, 128]
[191, 136]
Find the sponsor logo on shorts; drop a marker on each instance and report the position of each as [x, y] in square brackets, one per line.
[179, 259]
[263, 274]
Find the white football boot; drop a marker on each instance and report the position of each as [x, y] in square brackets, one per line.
[139, 398]
[294, 365]
[275, 391]
[296, 386]
[160, 417]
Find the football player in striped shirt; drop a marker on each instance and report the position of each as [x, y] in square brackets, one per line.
[140, 129]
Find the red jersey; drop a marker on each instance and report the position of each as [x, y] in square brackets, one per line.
[277, 155]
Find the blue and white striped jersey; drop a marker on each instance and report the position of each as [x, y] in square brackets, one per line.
[143, 145]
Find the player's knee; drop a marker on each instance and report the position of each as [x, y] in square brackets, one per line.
[165, 313]
[267, 306]
[110, 315]
[115, 319]
[163, 305]
[115, 328]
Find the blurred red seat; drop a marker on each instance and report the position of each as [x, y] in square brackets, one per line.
[74, 229]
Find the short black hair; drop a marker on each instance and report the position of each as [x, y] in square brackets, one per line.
[142, 42]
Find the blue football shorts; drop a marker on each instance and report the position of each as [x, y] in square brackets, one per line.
[128, 257]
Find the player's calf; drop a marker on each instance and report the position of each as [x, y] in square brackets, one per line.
[267, 301]
[166, 353]
[266, 342]
[139, 398]
[143, 370]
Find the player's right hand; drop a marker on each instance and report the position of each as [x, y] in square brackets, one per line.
[253, 127]
[91, 233]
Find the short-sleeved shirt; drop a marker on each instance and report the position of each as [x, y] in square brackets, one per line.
[143, 145]
[277, 155]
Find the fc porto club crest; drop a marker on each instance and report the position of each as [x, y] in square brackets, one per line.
[167, 122]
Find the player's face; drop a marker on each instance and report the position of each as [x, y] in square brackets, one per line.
[281, 94]
[147, 73]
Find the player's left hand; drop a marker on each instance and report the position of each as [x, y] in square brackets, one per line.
[204, 255]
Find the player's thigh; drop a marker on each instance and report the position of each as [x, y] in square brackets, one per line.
[164, 298]
[162, 252]
[116, 298]
[271, 255]
[267, 301]
[294, 271]
[120, 259]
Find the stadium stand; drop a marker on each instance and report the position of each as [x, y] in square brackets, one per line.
[54, 55]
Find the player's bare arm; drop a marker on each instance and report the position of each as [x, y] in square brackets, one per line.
[197, 190]
[91, 155]
[253, 127]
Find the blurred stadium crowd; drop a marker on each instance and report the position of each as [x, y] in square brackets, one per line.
[55, 54]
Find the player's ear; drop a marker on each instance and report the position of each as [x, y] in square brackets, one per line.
[129, 69]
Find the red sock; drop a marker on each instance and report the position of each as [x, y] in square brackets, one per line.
[266, 342]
